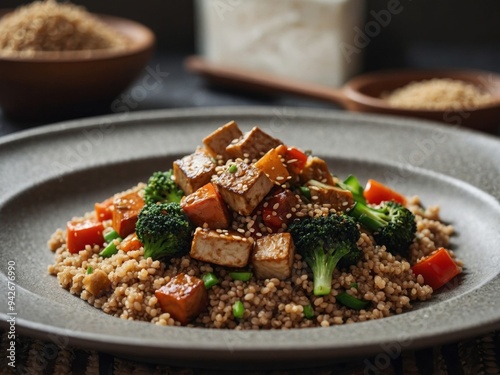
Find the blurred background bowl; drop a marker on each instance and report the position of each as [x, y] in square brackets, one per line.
[52, 85]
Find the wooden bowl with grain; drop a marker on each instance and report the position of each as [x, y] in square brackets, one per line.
[50, 85]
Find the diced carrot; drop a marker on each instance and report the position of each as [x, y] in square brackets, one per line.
[206, 205]
[184, 297]
[126, 210]
[437, 269]
[376, 192]
[131, 242]
[104, 209]
[272, 165]
[81, 233]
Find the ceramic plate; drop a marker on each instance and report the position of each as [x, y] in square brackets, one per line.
[53, 173]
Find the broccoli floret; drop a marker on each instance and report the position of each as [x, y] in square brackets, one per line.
[324, 242]
[161, 187]
[164, 230]
[391, 224]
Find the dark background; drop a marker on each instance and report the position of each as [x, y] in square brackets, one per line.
[427, 33]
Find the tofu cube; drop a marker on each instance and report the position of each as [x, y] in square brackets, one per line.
[225, 248]
[273, 256]
[252, 145]
[271, 164]
[243, 187]
[316, 169]
[337, 198]
[184, 297]
[193, 171]
[217, 142]
[97, 282]
[205, 206]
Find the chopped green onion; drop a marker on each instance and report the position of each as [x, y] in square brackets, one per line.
[308, 312]
[109, 250]
[242, 276]
[89, 270]
[353, 285]
[352, 302]
[238, 310]
[110, 236]
[233, 168]
[352, 184]
[209, 279]
[305, 191]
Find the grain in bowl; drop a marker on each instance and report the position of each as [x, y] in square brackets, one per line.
[249, 233]
[439, 94]
[51, 26]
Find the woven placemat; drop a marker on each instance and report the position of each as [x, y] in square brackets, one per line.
[480, 355]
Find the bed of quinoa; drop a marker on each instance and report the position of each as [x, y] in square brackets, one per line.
[383, 279]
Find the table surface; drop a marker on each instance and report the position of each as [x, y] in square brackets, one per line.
[179, 90]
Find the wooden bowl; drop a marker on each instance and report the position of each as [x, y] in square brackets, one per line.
[55, 85]
[364, 92]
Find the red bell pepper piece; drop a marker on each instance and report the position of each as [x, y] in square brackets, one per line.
[81, 233]
[376, 192]
[274, 218]
[295, 159]
[437, 269]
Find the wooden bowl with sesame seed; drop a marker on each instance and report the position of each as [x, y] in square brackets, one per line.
[50, 85]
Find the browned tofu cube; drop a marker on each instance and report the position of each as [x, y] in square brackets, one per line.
[243, 186]
[193, 171]
[217, 142]
[97, 282]
[273, 256]
[252, 145]
[225, 248]
[337, 198]
[316, 169]
[184, 297]
[205, 206]
[126, 211]
[271, 164]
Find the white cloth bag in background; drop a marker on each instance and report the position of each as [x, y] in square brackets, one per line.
[300, 39]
